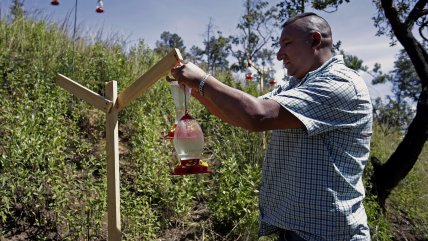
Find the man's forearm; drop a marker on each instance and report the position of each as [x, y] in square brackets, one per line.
[233, 106]
[214, 109]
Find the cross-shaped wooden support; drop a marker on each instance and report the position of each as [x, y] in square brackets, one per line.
[111, 104]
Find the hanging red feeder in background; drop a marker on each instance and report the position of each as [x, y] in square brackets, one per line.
[54, 2]
[100, 6]
[271, 76]
[248, 74]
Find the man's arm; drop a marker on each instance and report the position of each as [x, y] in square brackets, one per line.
[243, 110]
[234, 106]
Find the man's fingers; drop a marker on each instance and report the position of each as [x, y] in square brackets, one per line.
[176, 71]
[169, 79]
[179, 64]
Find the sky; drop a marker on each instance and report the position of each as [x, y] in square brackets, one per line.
[147, 19]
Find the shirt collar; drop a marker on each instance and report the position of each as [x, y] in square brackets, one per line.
[337, 59]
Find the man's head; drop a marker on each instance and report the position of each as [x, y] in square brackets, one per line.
[305, 44]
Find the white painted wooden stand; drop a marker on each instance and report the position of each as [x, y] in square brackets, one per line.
[111, 104]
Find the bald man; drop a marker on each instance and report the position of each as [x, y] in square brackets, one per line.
[321, 123]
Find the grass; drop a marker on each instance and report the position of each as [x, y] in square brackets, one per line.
[406, 213]
[52, 158]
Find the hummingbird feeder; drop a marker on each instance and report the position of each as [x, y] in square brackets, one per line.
[100, 6]
[272, 82]
[186, 135]
[248, 74]
[189, 144]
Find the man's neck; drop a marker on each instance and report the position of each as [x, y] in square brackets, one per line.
[321, 59]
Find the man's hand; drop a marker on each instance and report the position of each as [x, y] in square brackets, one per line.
[188, 74]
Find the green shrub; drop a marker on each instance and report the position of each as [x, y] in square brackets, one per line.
[53, 161]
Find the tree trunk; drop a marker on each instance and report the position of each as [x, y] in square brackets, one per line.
[400, 163]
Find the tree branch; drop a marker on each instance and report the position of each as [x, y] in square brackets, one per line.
[421, 28]
[391, 14]
[417, 12]
[417, 53]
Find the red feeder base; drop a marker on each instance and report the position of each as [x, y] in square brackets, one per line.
[192, 166]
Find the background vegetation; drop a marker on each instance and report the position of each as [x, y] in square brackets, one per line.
[52, 152]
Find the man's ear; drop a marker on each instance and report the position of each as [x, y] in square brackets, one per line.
[316, 39]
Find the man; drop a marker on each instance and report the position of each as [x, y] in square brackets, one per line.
[321, 121]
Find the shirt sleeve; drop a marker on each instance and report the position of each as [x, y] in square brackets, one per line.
[323, 104]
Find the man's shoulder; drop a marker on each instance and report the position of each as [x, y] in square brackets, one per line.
[338, 70]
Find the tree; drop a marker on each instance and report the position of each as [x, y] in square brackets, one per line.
[169, 41]
[17, 9]
[292, 7]
[396, 19]
[406, 85]
[213, 56]
[216, 49]
[392, 115]
[196, 55]
[208, 43]
[257, 27]
[404, 79]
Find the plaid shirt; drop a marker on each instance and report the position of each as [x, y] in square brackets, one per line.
[312, 178]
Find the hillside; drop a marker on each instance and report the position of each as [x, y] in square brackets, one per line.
[52, 153]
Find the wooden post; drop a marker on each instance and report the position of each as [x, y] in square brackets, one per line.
[113, 186]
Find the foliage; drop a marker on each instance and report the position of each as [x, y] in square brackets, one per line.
[214, 55]
[43, 187]
[289, 8]
[257, 28]
[52, 151]
[216, 49]
[410, 199]
[17, 10]
[169, 41]
[392, 114]
[405, 81]
[404, 14]
[397, 111]
[406, 211]
[52, 161]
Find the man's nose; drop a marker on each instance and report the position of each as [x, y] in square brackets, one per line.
[279, 55]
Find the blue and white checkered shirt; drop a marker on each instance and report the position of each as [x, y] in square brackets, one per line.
[312, 178]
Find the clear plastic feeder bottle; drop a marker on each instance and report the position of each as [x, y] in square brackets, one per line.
[188, 138]
[189, 145]
[181, 96]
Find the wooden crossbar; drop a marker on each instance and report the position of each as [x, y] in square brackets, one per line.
[84, 93]
[139, 86]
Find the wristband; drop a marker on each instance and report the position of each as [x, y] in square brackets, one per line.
[202, 84]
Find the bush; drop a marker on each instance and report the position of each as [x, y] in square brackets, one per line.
[53, 163]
